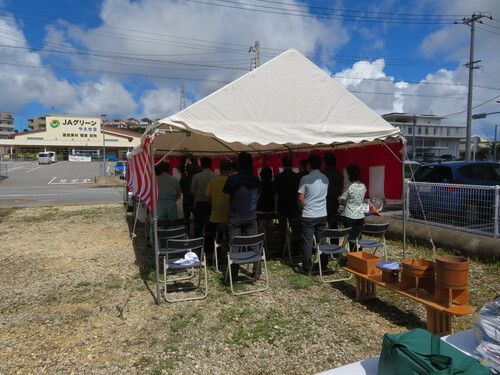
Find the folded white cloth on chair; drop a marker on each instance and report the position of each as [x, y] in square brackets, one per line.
[189, 258]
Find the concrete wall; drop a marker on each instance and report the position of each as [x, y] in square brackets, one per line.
[467, 244]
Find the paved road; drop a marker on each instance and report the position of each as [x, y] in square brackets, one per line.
[30, 184]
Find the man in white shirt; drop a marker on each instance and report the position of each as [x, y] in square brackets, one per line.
[313, 189]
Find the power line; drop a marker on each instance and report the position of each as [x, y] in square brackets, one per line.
[360, 12]
[479, 105]
[343, 17]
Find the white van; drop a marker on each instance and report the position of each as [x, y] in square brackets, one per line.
[47, 157]
[44, 158]
[53, 156]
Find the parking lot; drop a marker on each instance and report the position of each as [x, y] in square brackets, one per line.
[31, 184]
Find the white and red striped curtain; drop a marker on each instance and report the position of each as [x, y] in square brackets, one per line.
[139, 175]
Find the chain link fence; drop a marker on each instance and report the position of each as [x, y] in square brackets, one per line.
[470, 208]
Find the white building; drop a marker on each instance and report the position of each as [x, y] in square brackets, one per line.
[431, 138]
[70, 135]
[6, 124]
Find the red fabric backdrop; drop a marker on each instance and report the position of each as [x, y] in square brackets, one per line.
[387, 172]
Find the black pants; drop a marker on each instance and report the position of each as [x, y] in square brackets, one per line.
[356, 226]
[202, 226]
[312, 227]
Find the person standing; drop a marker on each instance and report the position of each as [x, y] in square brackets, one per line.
[169, 191]
[187, 196]
[352, 200]
[201, 206]
[303, 168]
[312, 192]
[265, 205]
[335, 184]
[242, 192]
[219, 206]
[286, 185]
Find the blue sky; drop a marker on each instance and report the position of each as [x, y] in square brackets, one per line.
[127, 58]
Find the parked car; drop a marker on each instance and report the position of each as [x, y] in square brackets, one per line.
[44, 158]
[128, 199]
[121, 167]
[52, 156]
[466, 204]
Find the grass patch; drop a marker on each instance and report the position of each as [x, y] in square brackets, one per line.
[299, 281]
[180, 320]
[268, 326]
[82, 284]
[115, 285]
[47, 215]
[50, 299]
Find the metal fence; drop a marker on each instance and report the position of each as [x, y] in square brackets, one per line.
[3, 171]
[469, 208]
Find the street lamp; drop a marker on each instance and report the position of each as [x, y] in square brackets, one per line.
[483, 115]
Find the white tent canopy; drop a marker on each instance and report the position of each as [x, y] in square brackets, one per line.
[288, 103]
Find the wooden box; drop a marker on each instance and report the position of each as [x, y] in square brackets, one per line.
[363, 262]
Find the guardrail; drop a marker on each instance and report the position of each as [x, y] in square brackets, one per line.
[468, 208]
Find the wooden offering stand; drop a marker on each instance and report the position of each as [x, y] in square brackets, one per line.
[439, 314]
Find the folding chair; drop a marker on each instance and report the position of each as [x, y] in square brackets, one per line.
[375, 230]
[327, 247]
[180, 256]
[165, 234]
[222, 244]
[288, 241]
[247, 257]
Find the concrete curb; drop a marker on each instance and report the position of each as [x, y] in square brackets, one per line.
[467, 244]
[109, 181]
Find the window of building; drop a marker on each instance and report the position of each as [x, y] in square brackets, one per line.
[419, 130]
[426, 131]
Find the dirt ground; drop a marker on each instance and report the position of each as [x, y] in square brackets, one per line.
[78, 297]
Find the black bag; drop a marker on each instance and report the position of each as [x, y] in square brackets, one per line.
[419, 352]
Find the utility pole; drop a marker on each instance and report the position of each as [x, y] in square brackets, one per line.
[495, 145]
[414, 148]
[471, 66]
[103, 163]
[257, 54]
[256, 49]
[182, 104]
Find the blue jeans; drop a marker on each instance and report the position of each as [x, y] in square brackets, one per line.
[311, 226]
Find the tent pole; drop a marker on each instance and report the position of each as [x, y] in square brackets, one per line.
[403, 185]
[155, 228]
[174, 148]
[403, 198]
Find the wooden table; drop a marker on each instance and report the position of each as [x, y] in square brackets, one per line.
[438, 316]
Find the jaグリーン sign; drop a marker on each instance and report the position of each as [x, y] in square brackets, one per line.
[86, 129]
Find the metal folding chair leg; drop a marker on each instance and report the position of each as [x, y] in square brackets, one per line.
[204, 290]
[229, 275]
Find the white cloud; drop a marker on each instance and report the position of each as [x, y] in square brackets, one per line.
[154, 43]
[370, 84]
[160, 103]
[105, 96]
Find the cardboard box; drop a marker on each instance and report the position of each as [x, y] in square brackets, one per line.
[363, 262]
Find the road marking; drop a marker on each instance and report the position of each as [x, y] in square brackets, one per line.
[34, 169]
[71, 181]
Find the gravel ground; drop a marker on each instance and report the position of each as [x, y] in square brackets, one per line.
[78, 298]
